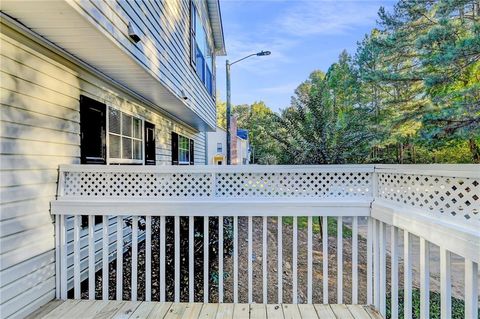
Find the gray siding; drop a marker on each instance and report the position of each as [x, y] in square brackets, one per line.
[40, 130]
[165, 46]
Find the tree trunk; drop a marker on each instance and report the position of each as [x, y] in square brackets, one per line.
[475, 150]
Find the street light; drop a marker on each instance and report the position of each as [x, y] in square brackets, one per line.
[228, 65]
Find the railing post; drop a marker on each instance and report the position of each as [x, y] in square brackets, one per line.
[91, 257]
[309, 259]
[424, 279]
[280, 260]
[376, 264]
[220, 259]
[407, 274]
[471, 289]
[265, 260]
[325, 258]
[63, 258]
[355, 260]
[445, 284]
[383, 268]
[58, 249]
[191, 257]
[235, 259]
[148, 258]
[76, 257]
[394, 273]
[370, 261]
[339, 260]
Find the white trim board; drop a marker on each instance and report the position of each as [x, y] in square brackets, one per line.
[461, 241]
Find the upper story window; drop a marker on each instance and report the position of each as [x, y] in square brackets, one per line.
[125, 138]
[219, 148]
[201, 52]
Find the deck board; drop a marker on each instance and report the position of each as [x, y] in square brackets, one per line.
[167, 310]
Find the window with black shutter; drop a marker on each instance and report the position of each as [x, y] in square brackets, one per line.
[149, 143]
[93, 148]
[182, 150]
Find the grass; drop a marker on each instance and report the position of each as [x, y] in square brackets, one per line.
[332, 225]
[458, 305]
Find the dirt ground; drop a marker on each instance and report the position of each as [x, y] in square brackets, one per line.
[317, 284]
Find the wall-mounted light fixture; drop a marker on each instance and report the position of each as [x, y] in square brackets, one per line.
[133, 33]
[183, 95]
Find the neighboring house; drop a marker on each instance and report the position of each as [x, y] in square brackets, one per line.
[243, 147]
[93, 82]
[217, 149]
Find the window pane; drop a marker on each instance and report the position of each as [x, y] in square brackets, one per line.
[208, 81]
[114, 146]
[219, 147]
[126, 148]
[126, 125]
[137, 128]
[114, 121]
[137, 150]
[200, 63]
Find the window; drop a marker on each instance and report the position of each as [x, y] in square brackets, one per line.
[125, 136]
[219, 148]
[201, 52]
[182, 150]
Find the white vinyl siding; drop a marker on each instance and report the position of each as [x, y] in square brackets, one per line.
[164, 47]
[40, 130]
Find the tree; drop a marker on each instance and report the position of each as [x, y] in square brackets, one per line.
[316, 129]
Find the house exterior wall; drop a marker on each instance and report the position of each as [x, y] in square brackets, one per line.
[164, 49]
[40, 130]
[239, 150]
[242, 151]
[219, 136]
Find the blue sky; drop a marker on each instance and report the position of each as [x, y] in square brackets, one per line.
[302, 35]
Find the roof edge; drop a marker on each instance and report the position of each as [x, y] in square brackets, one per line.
[216, 23]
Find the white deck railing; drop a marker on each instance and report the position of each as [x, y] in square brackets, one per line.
[439, 204]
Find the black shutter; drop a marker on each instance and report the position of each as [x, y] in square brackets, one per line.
[93, 148]
[149, 144]
[174, 148]
[192, 153]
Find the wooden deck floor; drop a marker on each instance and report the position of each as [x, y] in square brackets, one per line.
[132, 309]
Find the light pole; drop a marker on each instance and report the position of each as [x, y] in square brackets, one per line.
[228, 65]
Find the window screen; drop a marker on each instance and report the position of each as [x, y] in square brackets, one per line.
[125, 137]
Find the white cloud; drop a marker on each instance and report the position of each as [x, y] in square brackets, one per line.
[308, 18]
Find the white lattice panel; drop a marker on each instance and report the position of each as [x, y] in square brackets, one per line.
[293, 185]
[457, 199]
[98, 184]
[137, 185]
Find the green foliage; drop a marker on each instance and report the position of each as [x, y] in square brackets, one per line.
[410, 94]
[257, 118]
[302, 223]
[458, 305]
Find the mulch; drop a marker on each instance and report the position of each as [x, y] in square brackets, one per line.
[317, 284]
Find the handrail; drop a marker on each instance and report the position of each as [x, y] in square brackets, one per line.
[439, 204]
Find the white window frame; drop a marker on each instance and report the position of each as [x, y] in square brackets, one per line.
[111, 160]
[179, 136]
